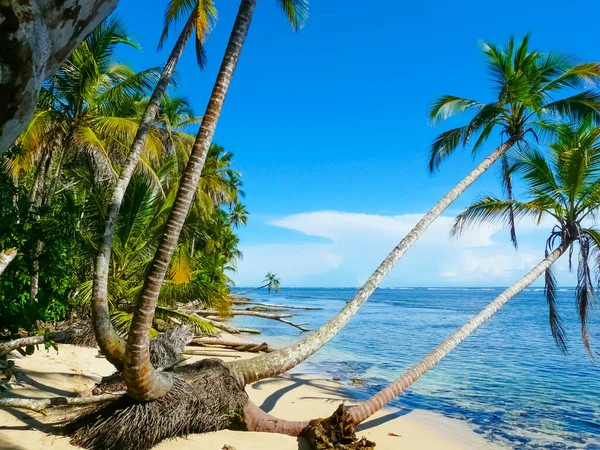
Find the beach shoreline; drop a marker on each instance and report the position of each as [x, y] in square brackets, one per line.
[74, 371]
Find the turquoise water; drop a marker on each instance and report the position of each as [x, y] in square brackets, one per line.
[508, 379]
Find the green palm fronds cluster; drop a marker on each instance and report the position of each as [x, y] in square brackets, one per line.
[73, 151]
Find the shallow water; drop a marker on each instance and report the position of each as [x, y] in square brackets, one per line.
[508, 379]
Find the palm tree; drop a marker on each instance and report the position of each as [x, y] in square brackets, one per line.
[202, 14]
[567, 189]
[524, 82]
[272, 282]
[238, 215]
[84, 108]
[143, 382]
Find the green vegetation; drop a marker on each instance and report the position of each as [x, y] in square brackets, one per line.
[57, 181]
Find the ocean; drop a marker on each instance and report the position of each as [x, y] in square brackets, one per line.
[508, 379]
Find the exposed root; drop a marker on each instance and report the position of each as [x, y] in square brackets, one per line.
[335, 433]
[204, 397]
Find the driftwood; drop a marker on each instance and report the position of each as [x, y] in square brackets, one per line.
[242, 346]
[6, 257]
[41, 404]
[9, 346]
[213, 314]
[273, 305]
[229, 329]
[211, 354]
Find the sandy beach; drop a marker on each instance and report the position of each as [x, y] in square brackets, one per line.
[74, 370]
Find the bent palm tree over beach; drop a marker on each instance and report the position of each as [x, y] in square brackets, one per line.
[567, 189]
[524, 82]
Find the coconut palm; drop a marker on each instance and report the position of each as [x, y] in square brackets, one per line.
[85, 107]
[272, 282]
[201, 15]
[524, 82]
[564, 188]
[143, 382]
[238, 215]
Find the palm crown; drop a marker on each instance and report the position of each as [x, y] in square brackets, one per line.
[566, 187]
[524, 83]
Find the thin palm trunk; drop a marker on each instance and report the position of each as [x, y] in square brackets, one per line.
[46, 198]
[368, 408]
[143, 381]
[282, 360]
[37, 197]
[6, 257]
[111, 344]
[237, 294]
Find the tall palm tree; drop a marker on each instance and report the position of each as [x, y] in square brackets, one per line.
[567, 189]
[525, 81]
[143, 381]
[202, 14]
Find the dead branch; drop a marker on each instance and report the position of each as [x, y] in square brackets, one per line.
[41, 404]
[7, 347]
[229, 329]
[244, 312]
[242, 346]
[211, 354]
[272, 305]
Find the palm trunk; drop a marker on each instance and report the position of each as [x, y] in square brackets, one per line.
[111, 344]
[36, 198]
[6, 257]
[280, 361]
[368, 408]
[143, 381]
[46, 199]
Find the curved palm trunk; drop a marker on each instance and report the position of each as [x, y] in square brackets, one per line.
[111, 344]
[6, 257]
[368, 408]
[143, 381]
[282, 360]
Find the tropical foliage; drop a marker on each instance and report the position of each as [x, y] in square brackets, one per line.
[563, 184]
[58, 178]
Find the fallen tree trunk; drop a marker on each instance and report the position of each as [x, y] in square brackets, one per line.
[273, 305]
[212, 315]
[35, 38]
[41, 404]
[245, 312]
[7, 347]
[6, 257]
[242, 346]
[229, 329]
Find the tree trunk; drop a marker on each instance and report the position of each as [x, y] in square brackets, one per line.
[6, 257]
[368, 408]
[111, 344]
[143, 382]
[35, 38]
[46, 199]
[280, 361]
[7, 347]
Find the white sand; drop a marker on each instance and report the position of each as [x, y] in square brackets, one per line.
[75, 370]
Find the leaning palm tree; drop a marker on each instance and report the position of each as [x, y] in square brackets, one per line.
[202, 14]
[272, 282]
[143, 382]
[109, 341]
[524, 84]
[566, 188]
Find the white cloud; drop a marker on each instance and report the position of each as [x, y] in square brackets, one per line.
[356, 244]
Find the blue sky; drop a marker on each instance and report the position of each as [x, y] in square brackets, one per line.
[329, 129]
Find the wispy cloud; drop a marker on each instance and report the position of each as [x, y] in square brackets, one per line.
[356, 244]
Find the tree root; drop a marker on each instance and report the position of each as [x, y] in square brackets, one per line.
[41, 404]
[335, 433]
[204, 397]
